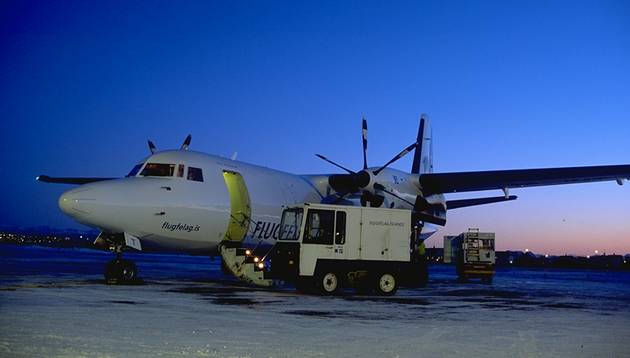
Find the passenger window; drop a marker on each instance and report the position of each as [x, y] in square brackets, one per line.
[180, 170]
[195, 174]
[319, 227]
[340, 228]
[158, 170]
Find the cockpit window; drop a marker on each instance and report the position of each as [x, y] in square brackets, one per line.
[180, 170]
[135, 170]
[195, 174]
[158, 170]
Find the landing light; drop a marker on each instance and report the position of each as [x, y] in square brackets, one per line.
[256, 259]
[261, 265]
[248, 252]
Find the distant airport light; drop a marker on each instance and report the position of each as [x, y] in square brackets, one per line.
[526, 250]
[511, 262]
[596, 252]
[588, 256]
[546, 256]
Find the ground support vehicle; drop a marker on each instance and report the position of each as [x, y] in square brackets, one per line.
[324, 248]
[473, 254]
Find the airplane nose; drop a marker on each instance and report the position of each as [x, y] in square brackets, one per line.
[71, 204]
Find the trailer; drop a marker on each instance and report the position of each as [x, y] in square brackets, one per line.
[324, 248]
[473, 254]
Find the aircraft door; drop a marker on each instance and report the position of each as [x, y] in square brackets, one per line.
[240, 206]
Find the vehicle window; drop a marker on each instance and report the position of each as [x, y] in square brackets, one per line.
[195, 174]
[319, 227]
[180, 170]
[290, 224]
[340, 228]
[158, 170]
[135, 170]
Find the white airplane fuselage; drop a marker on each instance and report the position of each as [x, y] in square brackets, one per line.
[174, 213]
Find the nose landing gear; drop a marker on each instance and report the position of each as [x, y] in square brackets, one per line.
[119, 271]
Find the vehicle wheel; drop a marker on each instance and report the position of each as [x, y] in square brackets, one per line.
[386, 284]
[328, 283]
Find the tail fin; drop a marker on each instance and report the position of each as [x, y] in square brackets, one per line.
[423, 156]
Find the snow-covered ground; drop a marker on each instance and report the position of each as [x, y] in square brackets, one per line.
[53, 303]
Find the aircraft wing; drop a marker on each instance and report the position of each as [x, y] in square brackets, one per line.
[436, 183]
[47, 179]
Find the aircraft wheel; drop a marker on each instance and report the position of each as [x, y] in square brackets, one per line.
[386, 284]
[328, 283]
[121, 271]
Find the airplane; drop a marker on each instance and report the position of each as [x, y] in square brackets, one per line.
[191, 202]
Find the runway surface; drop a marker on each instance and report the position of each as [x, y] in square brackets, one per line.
[54, 303]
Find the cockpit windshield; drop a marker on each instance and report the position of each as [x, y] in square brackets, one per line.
[135, 170]
[290, 224]
[158, 170]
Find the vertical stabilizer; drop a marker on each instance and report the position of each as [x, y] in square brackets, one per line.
[423, 156]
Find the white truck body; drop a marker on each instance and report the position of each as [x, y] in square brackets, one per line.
[326, 247]
[373, 234]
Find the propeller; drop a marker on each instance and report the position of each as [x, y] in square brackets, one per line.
[354, 182]
[364, 134]
[184, 146]
[400, 155]
[335, 164]
[380, 187]
[186, 143]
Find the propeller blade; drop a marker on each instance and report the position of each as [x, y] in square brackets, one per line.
[152, 147]
[364, 134]
[380, 187]
[335, 164]
[186, 143]
[400, 155]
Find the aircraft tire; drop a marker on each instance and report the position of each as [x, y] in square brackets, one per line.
[121, 271]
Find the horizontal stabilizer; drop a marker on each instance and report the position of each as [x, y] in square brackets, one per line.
[428, 218]
[47, 179]
[455, 204]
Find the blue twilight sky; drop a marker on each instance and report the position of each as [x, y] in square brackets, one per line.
[507, 85]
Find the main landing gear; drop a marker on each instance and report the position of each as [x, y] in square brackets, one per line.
[121, 271]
